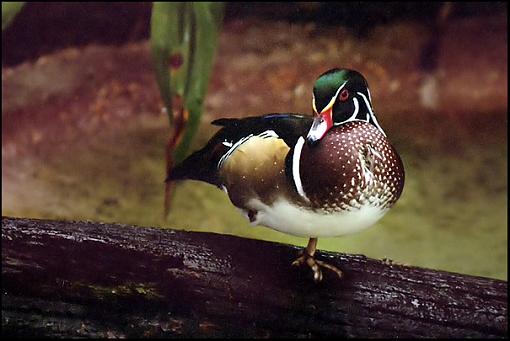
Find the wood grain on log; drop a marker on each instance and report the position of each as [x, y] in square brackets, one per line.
[108, 280]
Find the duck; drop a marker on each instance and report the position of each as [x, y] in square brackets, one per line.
[329, 174]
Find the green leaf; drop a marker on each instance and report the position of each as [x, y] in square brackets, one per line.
[166, 33]
[9, 11]
[207, 18]
[186, 31]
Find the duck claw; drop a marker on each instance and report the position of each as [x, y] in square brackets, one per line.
[315, 266]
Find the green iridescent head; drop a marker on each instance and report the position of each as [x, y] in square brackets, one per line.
[340, 96]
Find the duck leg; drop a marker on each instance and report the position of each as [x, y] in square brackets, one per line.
[315, 265]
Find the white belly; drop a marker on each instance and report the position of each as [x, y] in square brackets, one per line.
[291, 219]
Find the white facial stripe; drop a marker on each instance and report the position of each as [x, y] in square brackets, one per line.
[377, 124]
[313, 104]
[330, 104]
[353, 116]
[295, 167]
[356, 109]
[372, 115]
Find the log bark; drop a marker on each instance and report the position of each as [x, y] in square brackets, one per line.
[86, 279]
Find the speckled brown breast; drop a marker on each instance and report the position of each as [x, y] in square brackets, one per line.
[353, 165]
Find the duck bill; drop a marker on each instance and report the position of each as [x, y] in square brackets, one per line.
[320, 126]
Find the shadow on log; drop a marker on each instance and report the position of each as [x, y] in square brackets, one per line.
[84, 279]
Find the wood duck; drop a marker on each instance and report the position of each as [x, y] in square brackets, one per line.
[328, 175]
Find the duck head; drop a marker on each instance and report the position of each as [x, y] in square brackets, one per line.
[339, 96]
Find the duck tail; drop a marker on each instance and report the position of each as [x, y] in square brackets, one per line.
[195, 167]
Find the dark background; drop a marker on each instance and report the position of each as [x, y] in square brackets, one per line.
[44, 27]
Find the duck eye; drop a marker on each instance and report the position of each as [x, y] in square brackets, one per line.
[344, 95]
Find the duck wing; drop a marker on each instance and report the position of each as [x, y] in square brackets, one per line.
[204, 164]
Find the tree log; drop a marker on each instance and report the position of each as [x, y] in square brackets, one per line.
[85, 279]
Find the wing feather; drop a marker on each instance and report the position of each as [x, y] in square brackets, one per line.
[203, 164]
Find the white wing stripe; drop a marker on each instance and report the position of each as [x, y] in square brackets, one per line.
[233, 146]
[232, 149]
